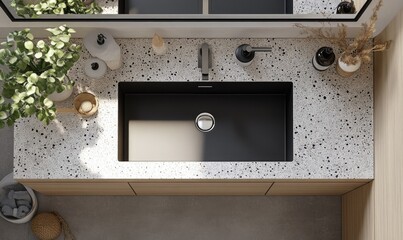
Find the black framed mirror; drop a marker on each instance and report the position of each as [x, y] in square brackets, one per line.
[185, 10]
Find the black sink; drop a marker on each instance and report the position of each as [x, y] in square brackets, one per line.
[205, 121]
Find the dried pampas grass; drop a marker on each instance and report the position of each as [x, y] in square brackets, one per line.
[360, 48]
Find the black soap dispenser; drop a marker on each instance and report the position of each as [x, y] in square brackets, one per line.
[323, 58]
[346, 7]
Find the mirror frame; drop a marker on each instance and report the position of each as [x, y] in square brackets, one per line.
[187, 18]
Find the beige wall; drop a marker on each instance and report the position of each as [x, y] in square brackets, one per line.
[389, 135]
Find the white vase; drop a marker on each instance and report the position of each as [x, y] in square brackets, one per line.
[58, 97]
[347, 70]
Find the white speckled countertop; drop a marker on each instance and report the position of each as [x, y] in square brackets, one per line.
[333, 117]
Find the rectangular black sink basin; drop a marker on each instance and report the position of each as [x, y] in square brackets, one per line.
[205, 121]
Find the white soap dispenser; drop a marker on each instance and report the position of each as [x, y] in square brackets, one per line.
[101, 44]
[323, 58]
[95, 68]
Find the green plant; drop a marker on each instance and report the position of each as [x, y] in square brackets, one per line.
[34, 70]
[54, 7]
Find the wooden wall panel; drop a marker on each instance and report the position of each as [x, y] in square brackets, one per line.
[389, 135]
[375, 212]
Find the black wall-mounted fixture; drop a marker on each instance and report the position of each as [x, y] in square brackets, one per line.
[245, 53]
[214, 7]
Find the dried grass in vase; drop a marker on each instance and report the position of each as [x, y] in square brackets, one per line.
[355, 51]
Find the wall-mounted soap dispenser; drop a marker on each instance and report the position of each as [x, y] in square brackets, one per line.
[245, 54]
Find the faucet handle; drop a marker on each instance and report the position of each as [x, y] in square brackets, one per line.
[245, 53]
[249, 48]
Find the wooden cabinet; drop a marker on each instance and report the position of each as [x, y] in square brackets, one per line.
[312, 188]
[200, 188]
[183, 187]
[358, 214]
[81, 188]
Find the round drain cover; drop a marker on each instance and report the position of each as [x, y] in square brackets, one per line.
[205, 122]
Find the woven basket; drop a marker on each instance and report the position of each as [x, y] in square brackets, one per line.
[46, 226]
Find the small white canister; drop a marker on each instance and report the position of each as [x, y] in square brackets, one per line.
[95, 68]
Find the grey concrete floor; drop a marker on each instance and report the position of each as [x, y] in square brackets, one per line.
[183, 218]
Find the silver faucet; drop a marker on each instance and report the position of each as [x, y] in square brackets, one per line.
[205, 60]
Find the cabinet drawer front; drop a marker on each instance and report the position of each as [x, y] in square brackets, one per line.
[81, 188]
[309, 188]
[200, 188]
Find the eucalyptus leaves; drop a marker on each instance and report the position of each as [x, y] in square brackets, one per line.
[34, 70]
[54, 7]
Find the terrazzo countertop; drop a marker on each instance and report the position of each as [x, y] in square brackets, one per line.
[333, 117]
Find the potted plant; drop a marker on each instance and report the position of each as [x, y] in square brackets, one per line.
[355, 51]
[34, 70]
[24, 9]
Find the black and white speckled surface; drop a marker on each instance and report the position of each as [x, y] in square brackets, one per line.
[333, 117]
[324, 7]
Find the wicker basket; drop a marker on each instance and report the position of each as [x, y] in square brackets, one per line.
[78, 100]
[46, 226]
[49, 226]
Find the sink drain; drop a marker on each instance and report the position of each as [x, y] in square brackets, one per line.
[205, 122]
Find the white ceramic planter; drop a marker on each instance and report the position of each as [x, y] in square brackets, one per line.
[347, 70]
[9, 180]
[58, 97]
